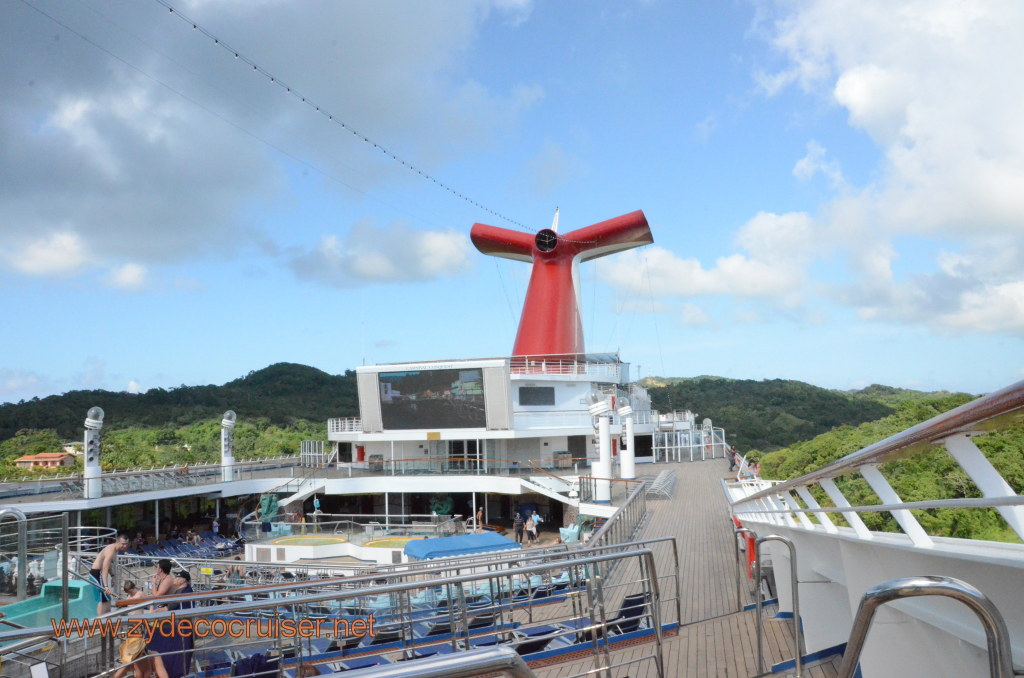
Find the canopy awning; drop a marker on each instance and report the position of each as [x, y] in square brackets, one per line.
[448, 547]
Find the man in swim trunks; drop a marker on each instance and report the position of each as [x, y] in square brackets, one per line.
[100, 571]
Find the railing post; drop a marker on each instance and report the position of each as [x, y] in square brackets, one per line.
[905, 518]
[796, 600]
[986, 477]
[739, 570]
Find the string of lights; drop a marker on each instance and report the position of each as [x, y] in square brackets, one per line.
[288, 89]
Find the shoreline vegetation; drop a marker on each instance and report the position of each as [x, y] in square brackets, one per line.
[790, 426]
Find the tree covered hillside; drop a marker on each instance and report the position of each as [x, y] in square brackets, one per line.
[765, 414]
[282, 394]
[932, 475]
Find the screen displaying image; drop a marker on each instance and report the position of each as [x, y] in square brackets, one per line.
[432, 399]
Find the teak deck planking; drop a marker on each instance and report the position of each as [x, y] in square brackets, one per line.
[715, 640]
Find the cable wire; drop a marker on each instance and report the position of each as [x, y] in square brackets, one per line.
[288, 89]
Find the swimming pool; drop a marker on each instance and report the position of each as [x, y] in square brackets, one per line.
[391, 542]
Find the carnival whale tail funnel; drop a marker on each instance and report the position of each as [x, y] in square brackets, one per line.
[550, 324]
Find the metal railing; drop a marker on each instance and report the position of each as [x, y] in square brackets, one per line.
[468, 607]
[760, 603]
[355, 531]
[612, 371]
[952, 430]
[625, 522]
[468, 664]
[1000, 659]
[619, 490]
[140, 480]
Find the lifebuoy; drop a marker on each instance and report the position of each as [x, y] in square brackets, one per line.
[751, 546]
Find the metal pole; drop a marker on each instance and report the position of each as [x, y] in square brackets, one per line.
[796, 597]
[22, 550]
[757, 599]
[22, 559]
[65, 547]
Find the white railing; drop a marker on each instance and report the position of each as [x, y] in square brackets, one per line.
[345, 425]
[644, 416]
[610, 371]
[793, 504]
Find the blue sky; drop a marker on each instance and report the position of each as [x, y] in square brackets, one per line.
[836, 189]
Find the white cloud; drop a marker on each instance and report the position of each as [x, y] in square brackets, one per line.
[128, 277]
[162, 161]
[814, 162]
[58, 253]
[370, 254]
[133, 387]
[705, 128]
[777, 249]
[937, 85]
[997, 308]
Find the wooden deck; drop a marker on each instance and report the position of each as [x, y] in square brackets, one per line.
[715, 640]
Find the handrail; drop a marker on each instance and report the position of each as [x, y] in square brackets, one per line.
[760, 603]
[646, 554]
[1000, 660]
[603, 532]
[459, 665]
[981, 414]
[424, 568]
[22, 546]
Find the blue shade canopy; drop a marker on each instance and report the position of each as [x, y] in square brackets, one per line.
[448, 547]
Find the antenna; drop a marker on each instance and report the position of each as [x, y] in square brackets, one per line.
[554, 222]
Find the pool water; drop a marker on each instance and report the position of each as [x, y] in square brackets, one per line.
[390, 542]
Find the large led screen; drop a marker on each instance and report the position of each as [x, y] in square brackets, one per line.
[432, 399]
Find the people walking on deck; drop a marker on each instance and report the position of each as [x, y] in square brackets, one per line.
[100, 571]
[517, 526]
[531, 531]
[734, 458]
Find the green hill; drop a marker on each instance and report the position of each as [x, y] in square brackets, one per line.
[932, 475]
[769, 414]
[282, 394]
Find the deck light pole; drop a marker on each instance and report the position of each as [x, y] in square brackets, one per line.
[93, 438]
[227, 435]
[602, 470]
[627, 456]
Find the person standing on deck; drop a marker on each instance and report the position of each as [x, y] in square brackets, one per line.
[531, 531]
[480, 519]
[517, 526]
[100, 571]
[172, 649]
